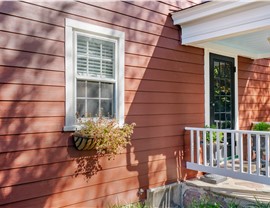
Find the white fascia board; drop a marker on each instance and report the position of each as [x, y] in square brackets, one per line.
[241, 18]
[216, 33]
[229, 51]
[205, 10]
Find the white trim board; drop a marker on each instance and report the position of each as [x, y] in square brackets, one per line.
[71, 27]
[212, 22]
[207, 85]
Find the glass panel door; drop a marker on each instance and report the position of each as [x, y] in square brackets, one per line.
[222, 113]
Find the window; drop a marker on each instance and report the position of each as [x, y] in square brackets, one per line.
[94, 72]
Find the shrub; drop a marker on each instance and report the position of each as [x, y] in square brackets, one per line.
[262, 126]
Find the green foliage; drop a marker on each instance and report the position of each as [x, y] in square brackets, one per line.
[259, 204]
[204, 202]
[207, 202]
[262, 126]
[109, 137]
[214, 134]
[134, 205]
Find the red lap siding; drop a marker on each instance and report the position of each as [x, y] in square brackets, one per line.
[163, 94]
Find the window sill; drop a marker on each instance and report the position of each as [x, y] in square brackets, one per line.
[71, 128]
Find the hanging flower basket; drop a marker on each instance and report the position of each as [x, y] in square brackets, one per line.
[103, 135]
[83, 143]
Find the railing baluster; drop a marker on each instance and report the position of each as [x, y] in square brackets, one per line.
[258, 154]
[267, 155]
[192, 146]
[233, 152]
[198, 146]
[225, 150]
[204, 148]
[240, 142]
[211, 149]
[218, 149]
[249, 153]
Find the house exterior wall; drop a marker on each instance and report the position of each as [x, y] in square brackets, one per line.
[164, 92]
[253, 86]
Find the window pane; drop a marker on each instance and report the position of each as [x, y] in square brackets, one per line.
[81, 107]
[94, 47]
[107, 90]
[92, 108]
[81, 65]
[107, 69]
[81, 45]
[107, 50]
[94, 67]
[80, 88]
[106, 108]
[92, 89]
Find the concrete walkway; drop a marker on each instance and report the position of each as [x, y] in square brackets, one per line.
[236, 189]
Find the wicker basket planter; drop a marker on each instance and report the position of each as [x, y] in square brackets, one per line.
[83, 143]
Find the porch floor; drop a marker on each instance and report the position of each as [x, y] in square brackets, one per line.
[235, 188]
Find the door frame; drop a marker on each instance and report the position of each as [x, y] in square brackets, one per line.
[207, 85]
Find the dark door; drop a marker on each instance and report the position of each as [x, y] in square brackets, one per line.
[222, 87]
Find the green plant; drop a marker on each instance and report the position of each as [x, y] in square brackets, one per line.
[206, 201]
[262, 126]
[214, 134]
[134, 205]
[109, 138]
[259, 204]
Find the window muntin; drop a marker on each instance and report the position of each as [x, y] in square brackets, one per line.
[95, 76]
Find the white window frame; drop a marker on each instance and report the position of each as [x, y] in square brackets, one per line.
[71, 28]
[207, 52]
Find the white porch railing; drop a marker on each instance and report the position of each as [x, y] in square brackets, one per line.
[249, 153]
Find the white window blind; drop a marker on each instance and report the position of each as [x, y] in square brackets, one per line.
[95, 57]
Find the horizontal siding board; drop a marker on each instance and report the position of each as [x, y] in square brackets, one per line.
[31, 109]
[165, 120]
[109, 17]
[28, 76]
[33, 28]
[175, 68]
[31, 125]
[46, 156]
[163, 109]
[77, 186]
[23, 142]
[31, 44]
[18, 92]
[157, 86]
[79, 190]
[163, 64]
[131, 10]
[160, 97]
[152, 6]
[33, 12]
[162, 131]
[261, 84]
[27, 175]
[129, 196]
[57, 18]
[163, 59]
[30, 60]
[160, 75]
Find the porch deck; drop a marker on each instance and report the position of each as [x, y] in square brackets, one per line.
[236, 189]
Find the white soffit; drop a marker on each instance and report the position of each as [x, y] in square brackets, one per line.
[240, 27]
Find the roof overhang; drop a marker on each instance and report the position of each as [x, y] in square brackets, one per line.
[241, 27]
